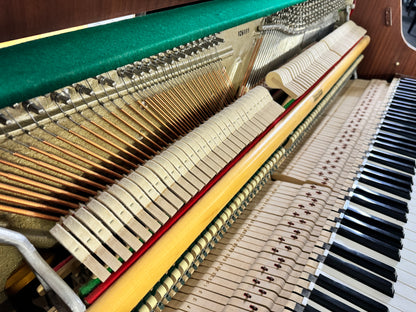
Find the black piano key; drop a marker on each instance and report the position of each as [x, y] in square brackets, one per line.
[387, 178]
[395, 128]
[379, 207]
[392, 160]
[397, 175]
[404, 89]
[329, 302]
[399, 113]
[393, 137]
[350, 295]
[404, 96]
[408, 89]
[407, 101]
[407, 80]
[402, 107]
[372, 231]
[385, 199]
[373, 220]
[308, 308]
[398, 125]
[384, 185]
[404, 92]
[361, 275]
[404, 99]
[408, 121]
[365, 261]
[370, 242]
[394, 147]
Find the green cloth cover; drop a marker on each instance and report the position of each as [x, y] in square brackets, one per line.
[34, 68]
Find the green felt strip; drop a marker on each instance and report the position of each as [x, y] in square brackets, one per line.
[288, 104]
[38, 67]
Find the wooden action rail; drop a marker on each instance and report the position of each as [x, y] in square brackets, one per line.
[146, 271]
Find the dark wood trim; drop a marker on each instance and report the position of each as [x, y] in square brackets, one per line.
[23, 18]
[388, 54]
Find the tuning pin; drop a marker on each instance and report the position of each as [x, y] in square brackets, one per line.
[156, 61]
[4, 120]
[121, 72]
[61, 97]
[32, 107]
[83, 89]
[148, 63]
[106, 81]
[129, 71]
[166, 57]
[179, 53]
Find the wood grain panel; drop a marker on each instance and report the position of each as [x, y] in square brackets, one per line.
[388, 54]
[23, 18]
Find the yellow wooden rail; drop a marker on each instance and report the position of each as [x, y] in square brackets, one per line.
[134, 284]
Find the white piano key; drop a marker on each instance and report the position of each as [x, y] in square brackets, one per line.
[354, 284]
[367, 251]
[376, 214]
[381, 191]
[410, 226]
[400, 303]
[317, 306]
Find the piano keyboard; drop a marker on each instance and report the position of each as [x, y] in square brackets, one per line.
[250, 272]
[370, 263]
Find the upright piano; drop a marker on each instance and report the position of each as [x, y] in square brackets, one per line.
[207, 156]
